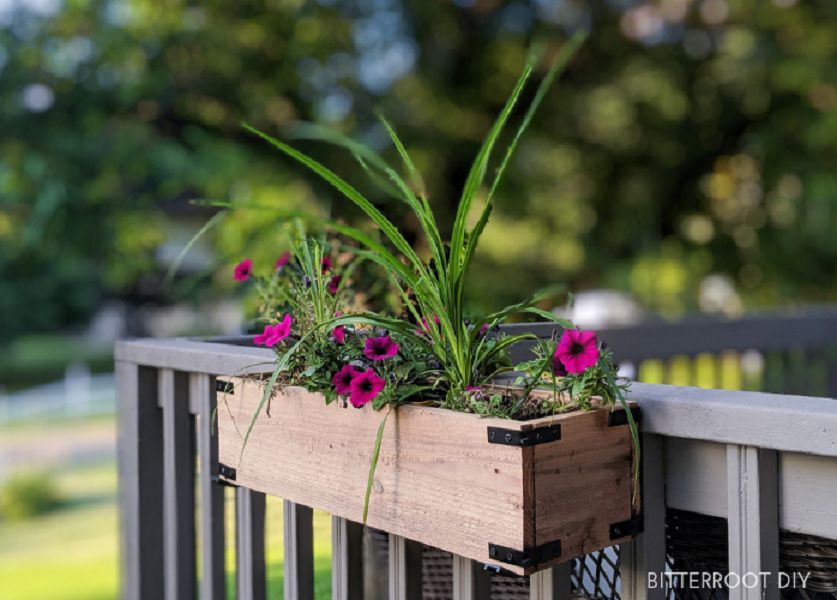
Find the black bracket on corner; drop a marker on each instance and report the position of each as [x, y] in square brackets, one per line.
[630, 528]
[620, 417]
[531, 557]
[227, 473]
[532, 437]
[224, 387]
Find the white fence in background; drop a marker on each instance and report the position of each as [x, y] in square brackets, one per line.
[79, 394]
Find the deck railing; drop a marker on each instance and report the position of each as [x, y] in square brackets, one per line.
[765, 464]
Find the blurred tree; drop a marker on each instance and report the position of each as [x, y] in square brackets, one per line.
[689, 137]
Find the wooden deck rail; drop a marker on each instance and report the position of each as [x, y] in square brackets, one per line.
[764, 462]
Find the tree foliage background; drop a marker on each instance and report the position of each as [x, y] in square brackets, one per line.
[688, 138]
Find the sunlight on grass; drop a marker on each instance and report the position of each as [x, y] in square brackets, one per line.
[72, 553]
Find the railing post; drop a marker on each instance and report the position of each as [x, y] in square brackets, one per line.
[178, 485]
[249, 544]
[551, 584]
[647, 554]
[470, 580]
[405, 563]
[299, 551]
[346, 559]
[202, 400]
[753, 521]
[140, 457]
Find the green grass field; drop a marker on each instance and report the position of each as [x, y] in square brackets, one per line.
[72, 553]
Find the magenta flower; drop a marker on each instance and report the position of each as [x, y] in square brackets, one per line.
[380, 348]
[283, 260]
[333, 284]
[578, 350]
[243, 270]
[425, 326]
[273, 334]
[326, 264]
[342, 380]
[365, 386]
[473, 389]
[484, 329]
[338, 334]
[558, 368]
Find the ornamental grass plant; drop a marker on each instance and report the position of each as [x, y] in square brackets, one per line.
[432, 352]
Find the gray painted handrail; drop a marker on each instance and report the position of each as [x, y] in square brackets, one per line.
[760, 460]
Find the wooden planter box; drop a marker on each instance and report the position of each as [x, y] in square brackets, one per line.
[522, 495]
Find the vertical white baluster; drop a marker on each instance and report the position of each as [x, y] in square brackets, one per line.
[753, 521]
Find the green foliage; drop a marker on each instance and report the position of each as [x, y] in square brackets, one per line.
[27, 495]
[433, 293]
[700, 146]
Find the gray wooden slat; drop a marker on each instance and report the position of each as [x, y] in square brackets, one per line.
[346, 559]
[470, 580]
[753, 521]
[140, 458]
[808, 424]
[249, 544]
[405, 564]
[299, 551]
[202, 400]
[551, 584]
[811, 328]
[647, 554]
[178, 485]
[196, 356]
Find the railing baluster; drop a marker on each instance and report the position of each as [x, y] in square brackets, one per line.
[299, 551]
[551, 584]
[140, 453]
[249, 544]
[470, 580]
[753, 520]
[346, 559]
[647, 554]
[178, 485]
[405, 562]
[202, 400]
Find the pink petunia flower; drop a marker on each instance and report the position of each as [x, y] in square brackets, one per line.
[425, 326]
[484, 329]
[365, 387]
[243, 270]
[326, 264]
[273, 334]
[333, 284]
[338, 334]
[380, 348]
[558, 368]
[577, 350]
[343, 378]
[283, 260]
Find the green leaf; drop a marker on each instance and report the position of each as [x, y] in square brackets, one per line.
[341, 185]
[373, 465]
[561, 60]
[477, 174]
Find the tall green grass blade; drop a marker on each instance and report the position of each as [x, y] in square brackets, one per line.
[175, 265]
[415, 175]
[560, 62]
[373, 465]
[341, 185]
[477, 174]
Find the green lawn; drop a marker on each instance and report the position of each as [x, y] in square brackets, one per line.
[71, 554]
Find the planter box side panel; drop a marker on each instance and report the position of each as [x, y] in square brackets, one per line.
[583, 484]
[438, 481]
